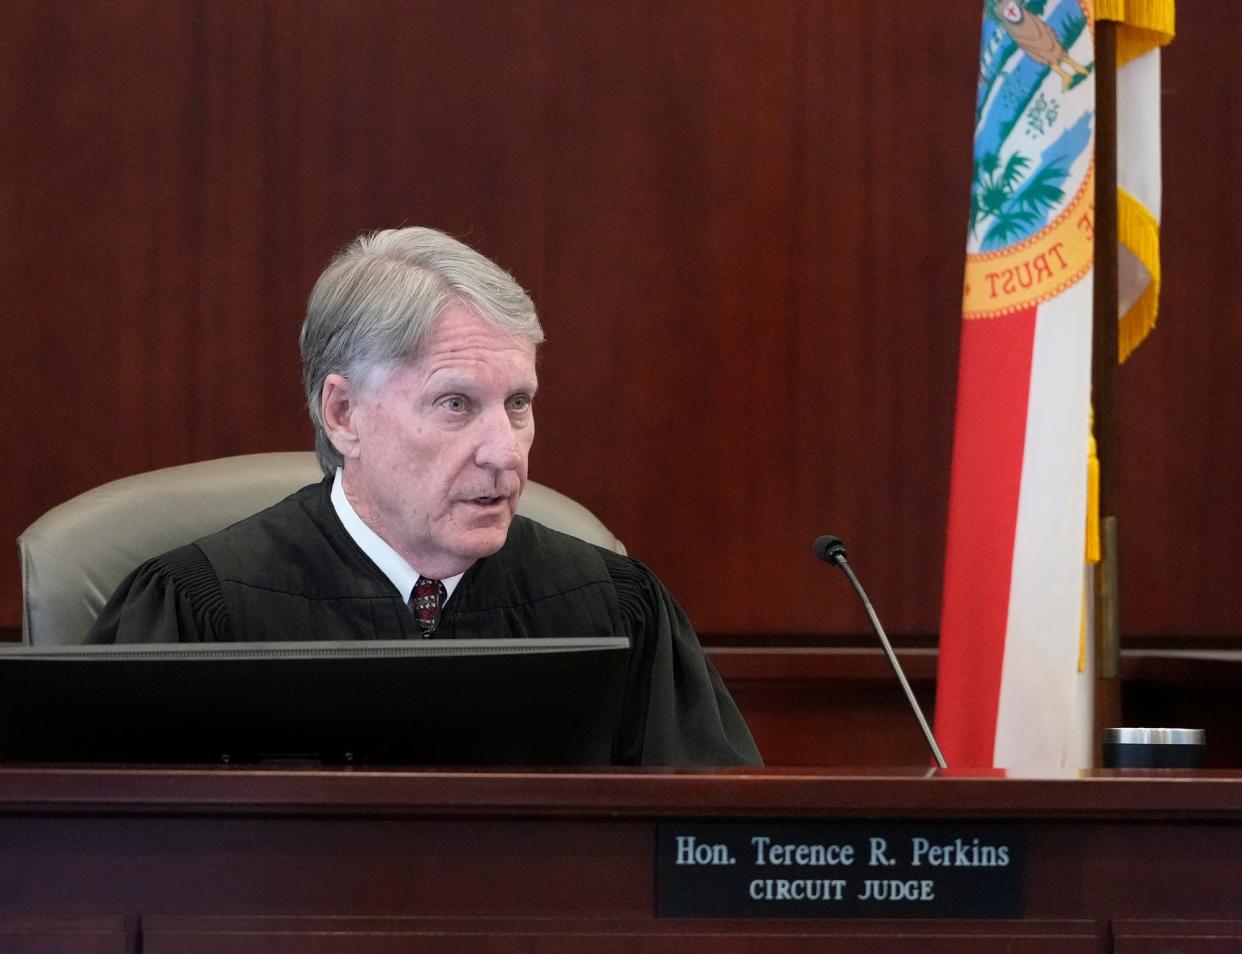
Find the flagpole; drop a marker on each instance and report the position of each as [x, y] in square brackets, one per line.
[1104, 384]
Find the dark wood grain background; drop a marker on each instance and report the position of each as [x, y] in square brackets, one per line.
[743, 223]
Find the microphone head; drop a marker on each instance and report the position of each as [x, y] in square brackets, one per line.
[829, 549]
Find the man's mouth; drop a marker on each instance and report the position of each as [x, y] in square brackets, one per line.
[487, 501]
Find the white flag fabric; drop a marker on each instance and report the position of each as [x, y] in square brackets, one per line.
[1143, 26]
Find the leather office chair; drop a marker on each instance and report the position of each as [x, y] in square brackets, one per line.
[75, 555]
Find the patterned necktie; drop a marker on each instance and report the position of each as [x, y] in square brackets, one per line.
[425, 602]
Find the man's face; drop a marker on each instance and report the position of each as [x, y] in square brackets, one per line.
[440, 456]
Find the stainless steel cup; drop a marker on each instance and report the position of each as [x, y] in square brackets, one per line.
[1150, 748]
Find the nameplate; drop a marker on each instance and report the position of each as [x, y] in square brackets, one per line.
[839, 870]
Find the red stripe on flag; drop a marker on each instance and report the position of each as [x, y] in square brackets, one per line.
[993, 389]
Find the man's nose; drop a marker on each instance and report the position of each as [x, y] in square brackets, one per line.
[499, 446]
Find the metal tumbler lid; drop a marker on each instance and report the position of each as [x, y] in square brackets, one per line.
[1145, 736]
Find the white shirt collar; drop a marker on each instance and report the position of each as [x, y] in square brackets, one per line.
[391, 562]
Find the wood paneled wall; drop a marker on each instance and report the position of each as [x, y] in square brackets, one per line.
[743, 223]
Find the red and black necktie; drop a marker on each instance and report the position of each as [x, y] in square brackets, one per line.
[425, 602]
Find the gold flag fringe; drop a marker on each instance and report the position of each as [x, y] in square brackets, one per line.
[1092, 555]
[1138, 230]
[1093, 498]
[1145, 25]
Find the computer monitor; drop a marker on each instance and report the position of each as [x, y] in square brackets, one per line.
[552, 701]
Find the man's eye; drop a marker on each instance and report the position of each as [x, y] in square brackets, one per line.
[519, 402]
[454, 404]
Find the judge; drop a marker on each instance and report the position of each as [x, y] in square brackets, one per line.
[418, 359]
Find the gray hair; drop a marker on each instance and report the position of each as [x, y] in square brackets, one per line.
[375, 305]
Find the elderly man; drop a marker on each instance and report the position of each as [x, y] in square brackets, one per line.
[419, 363]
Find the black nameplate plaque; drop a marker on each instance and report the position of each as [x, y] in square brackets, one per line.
[844, 870]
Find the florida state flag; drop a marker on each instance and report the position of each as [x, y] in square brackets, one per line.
[1011, 692]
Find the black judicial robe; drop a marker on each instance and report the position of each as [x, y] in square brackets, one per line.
[292, 572]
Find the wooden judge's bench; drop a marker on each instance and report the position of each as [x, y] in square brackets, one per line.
[307, 860]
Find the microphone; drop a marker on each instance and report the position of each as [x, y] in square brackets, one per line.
[831, 550]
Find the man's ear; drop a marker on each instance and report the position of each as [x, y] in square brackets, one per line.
[338, 407]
